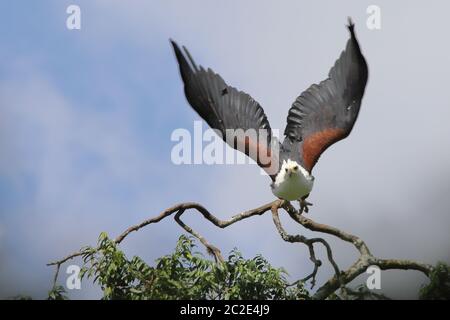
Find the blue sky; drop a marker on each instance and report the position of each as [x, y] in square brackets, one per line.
[86, 117]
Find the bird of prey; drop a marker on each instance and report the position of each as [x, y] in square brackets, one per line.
[322, 115]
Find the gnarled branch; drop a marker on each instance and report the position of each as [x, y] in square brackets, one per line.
[340, 278]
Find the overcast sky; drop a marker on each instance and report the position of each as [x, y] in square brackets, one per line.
[86, 118]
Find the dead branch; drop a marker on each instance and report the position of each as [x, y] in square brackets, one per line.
[365, 259]
[310, 243]
[180, 208]
[340, 278]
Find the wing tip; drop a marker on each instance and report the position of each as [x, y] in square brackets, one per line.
[181, 56]
[351, 26]
[176, 49]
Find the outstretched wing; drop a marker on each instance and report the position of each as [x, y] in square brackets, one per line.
[325, 113]
[236, 117]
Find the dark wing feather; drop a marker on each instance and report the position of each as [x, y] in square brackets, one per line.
[325, 113]
[225, 108]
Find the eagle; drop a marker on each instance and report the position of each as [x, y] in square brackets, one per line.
[322, 115]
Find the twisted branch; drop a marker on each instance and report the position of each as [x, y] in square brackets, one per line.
[310, 243]
[339, 280]
[180, 209]
[365, 259]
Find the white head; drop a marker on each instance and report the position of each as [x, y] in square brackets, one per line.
[292, 182]
[290, 169]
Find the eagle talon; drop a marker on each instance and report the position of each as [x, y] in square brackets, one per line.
[304, 205]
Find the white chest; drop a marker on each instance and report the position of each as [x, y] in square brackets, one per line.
[292, 182]
[293, 188]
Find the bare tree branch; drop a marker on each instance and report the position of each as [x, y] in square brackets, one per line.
[309, 242]
[180, 208]
[365, 259]
[339, 280]
[210, 248]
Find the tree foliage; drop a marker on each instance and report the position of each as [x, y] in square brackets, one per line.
[187, 274]
[439, 286]
[183, 274]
